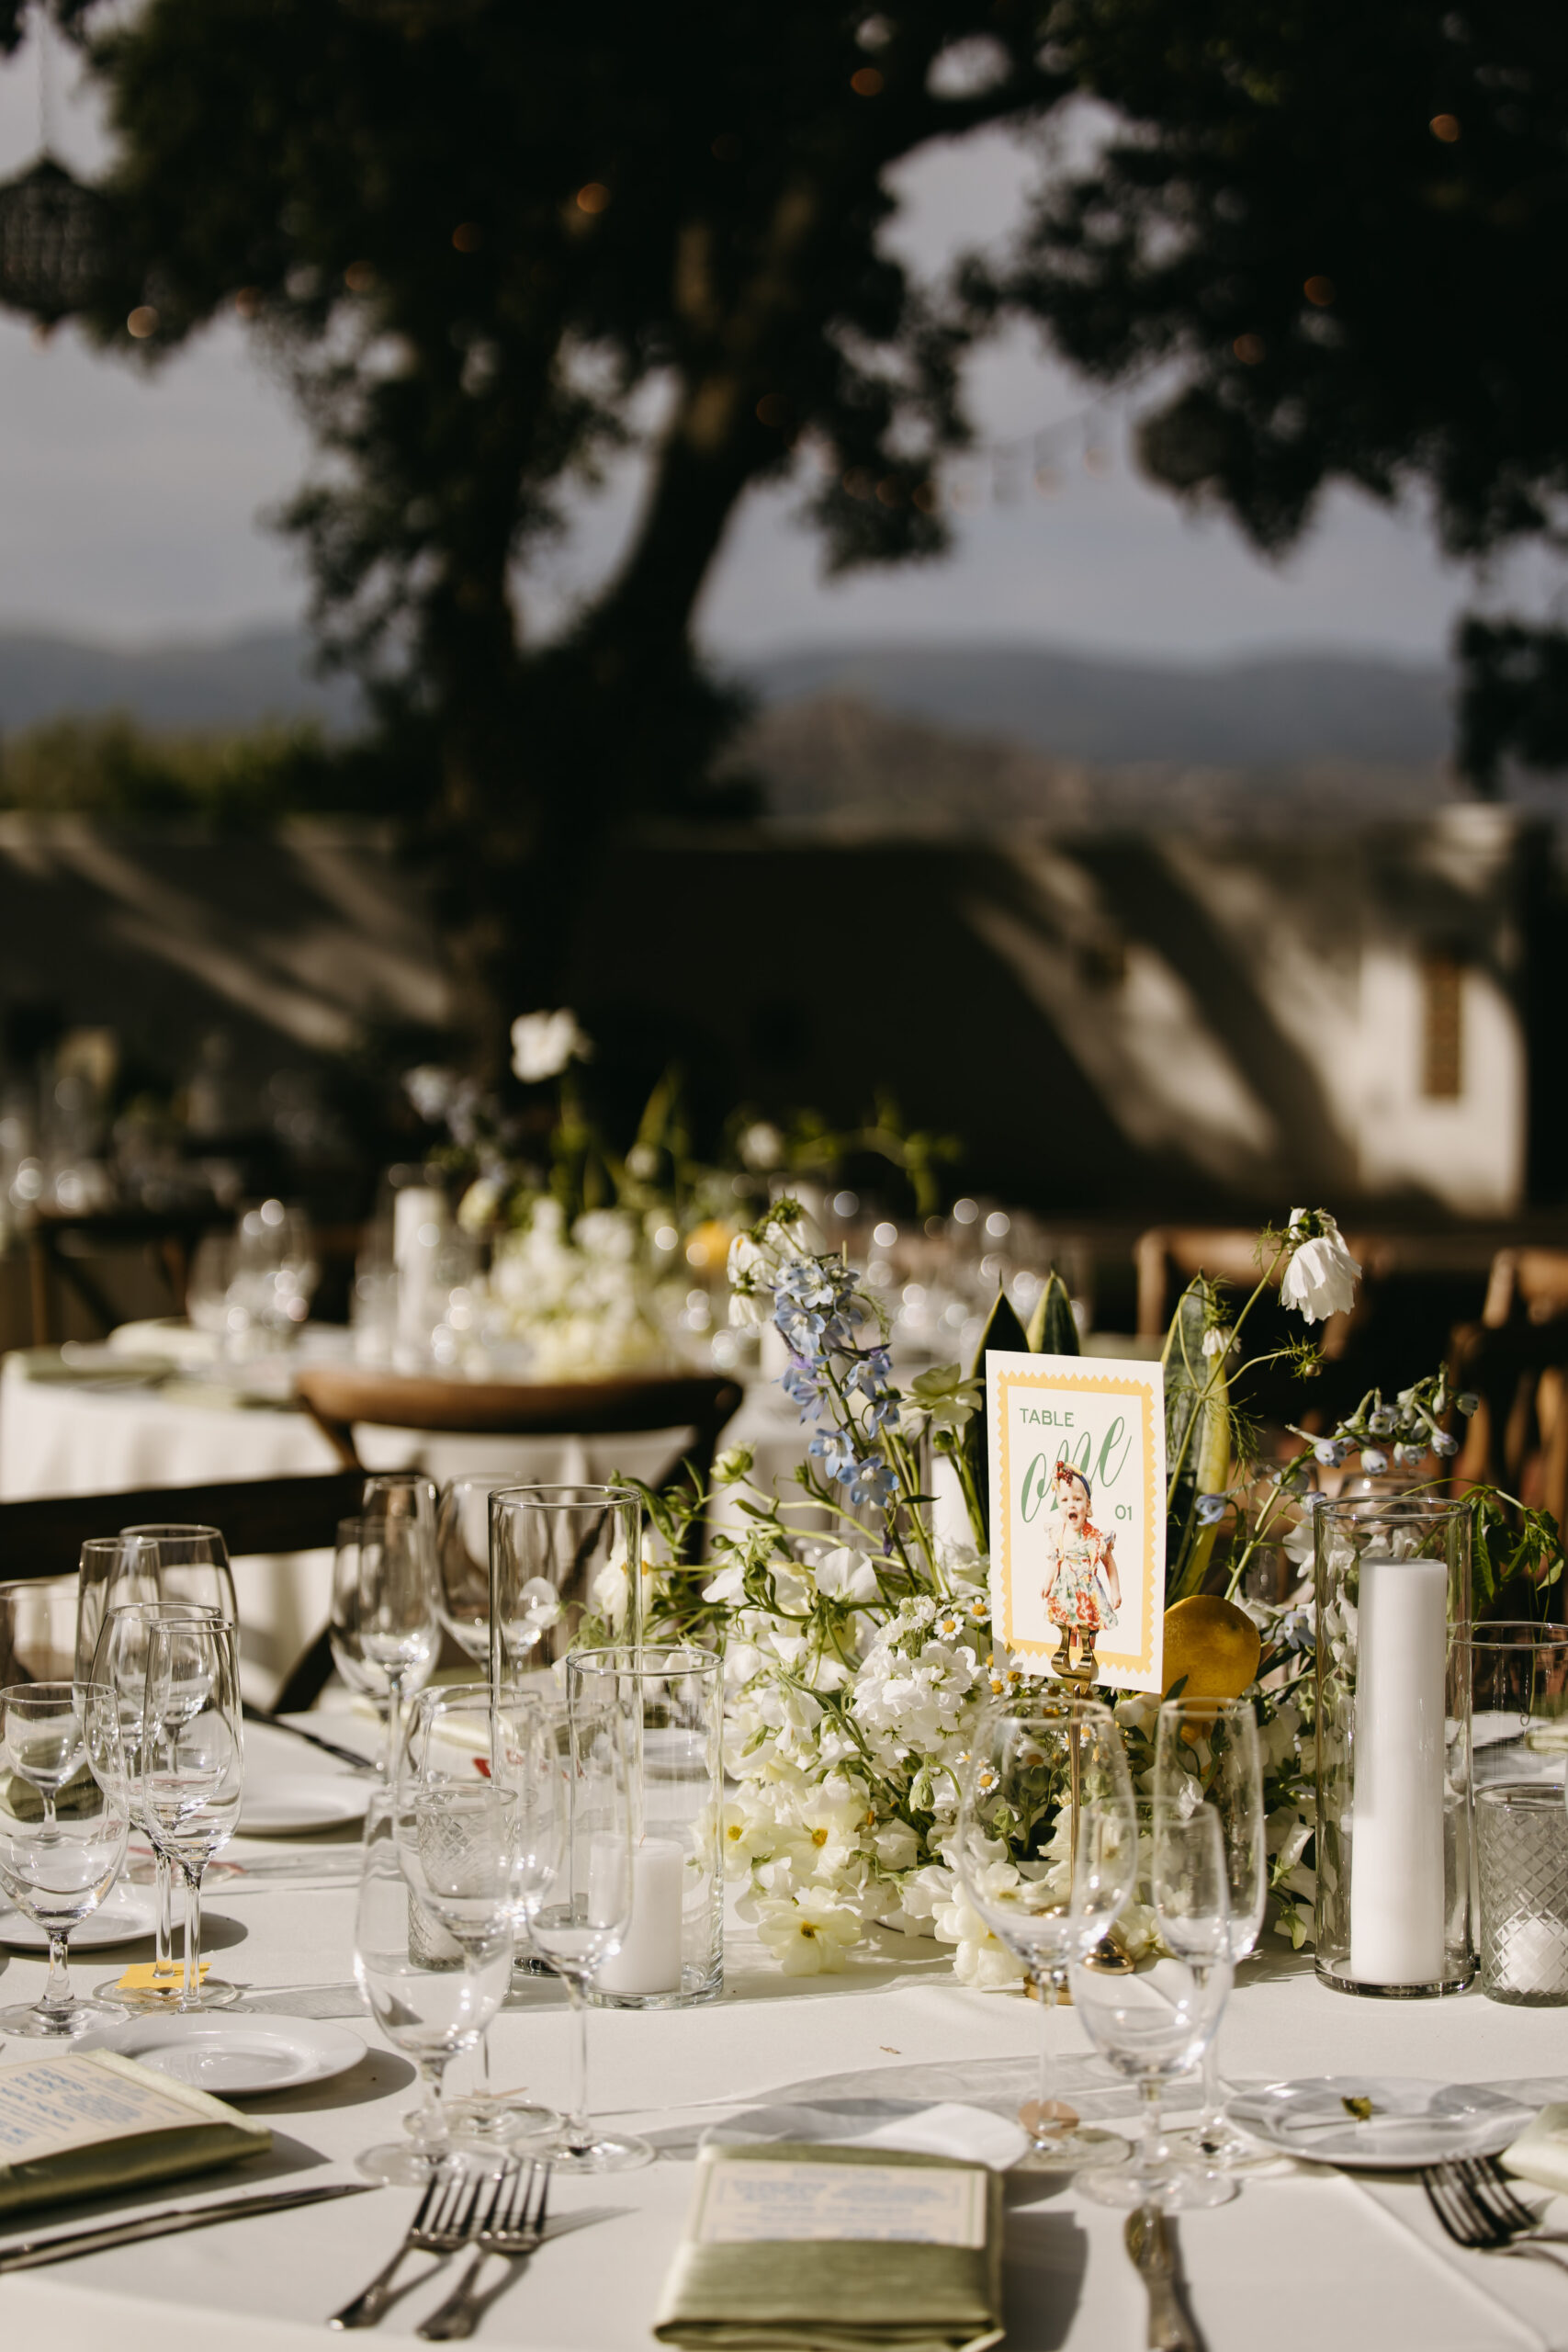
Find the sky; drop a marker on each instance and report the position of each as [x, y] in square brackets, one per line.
[134, 503]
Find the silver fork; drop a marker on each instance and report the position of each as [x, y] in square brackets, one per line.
[514, 2225]
[1477, 2206]
[443, 2221]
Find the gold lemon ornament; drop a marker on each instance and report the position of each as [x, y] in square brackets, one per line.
[1211, 1648]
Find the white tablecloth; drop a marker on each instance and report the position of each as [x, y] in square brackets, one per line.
[69, 1437]
[1309, 2261]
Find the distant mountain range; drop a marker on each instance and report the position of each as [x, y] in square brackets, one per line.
[1252, 712]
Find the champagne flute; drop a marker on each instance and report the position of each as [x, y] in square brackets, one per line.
[385, 1638]
[1207, 1753]
[578, 1896]
[192, 1766]
[1154, 2024]
[432, 1948]
[64, 1819]
[1048, 1899]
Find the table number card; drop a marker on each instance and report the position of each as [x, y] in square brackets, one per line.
[1078, 1513]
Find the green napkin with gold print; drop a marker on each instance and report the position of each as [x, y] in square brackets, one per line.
[799, 2248]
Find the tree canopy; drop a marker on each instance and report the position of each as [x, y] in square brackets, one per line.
[488, 245]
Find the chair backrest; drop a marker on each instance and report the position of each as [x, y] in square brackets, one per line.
[1534, 1281]
[299, 1514]
[340, 1395]
[1168, 1257]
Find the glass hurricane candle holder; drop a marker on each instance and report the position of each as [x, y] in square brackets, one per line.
[1518, 1744]
[672, 1956]
[1393, 1871]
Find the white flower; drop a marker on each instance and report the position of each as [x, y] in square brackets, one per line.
[845, 1574]
[728, 1585]
[1320, 1280]
[811, 1935]
[430, 1089]
[1219, 1341]
[543, 1042]
[761, 1146]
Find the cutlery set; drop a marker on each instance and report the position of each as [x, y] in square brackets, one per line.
[453, 2213]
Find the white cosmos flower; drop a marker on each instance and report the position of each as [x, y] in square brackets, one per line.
[846, 1575]
[811, 1936]
[543, 1042]
[1320, 1280]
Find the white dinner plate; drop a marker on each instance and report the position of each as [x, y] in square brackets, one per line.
[233, 2057]
[1412, 2122]
[126, 1914]
[277, 1804]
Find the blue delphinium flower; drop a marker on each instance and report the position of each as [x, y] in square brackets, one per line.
[1211, 1508]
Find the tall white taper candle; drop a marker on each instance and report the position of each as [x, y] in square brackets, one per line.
[1396, 1841]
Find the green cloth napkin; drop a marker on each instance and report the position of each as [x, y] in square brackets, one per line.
[840, 2294]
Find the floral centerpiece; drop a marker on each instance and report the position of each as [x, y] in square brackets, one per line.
[857, 1637]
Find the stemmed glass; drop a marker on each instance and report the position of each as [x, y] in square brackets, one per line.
[64, 1819]
[1031, 1772]
[192, 1764]
[38, 1630]
[457, 1733]
[1206, 1752]
[558, 1554]
[462, 1558]
[578, 1898]
[177, 1562]
[1156, 2023]
[432, 1946]
[385, 1637]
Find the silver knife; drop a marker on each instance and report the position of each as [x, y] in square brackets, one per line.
[33, 2252]
[1148, 2243]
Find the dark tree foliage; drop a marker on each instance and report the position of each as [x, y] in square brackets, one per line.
[1332, 235]
[472, 233]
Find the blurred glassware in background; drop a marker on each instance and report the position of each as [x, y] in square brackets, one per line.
[251, 1289]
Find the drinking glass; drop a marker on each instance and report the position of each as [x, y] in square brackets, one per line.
[462, 1558]
[1207, 1753]
[64, 1819]
[1518, 1676]
[460, 1734]
[385, 1637]
[190, 1563]
[192, 1766]
[38, 1631]
[177, 1562]
[1051, 1902]
[579, 1899]
[558, 1554]
[1155, 2022]
[431, 1975]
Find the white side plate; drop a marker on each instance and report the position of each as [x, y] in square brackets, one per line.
[1413, 2122]
[281, 1805]
[124, 1916]
[233, 2057]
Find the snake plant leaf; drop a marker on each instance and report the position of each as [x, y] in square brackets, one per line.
[1003, 1334]
[1052, 1328]
[1197, 1437]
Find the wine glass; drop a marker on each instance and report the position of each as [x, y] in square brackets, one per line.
[462, 1558]
[1154, 2023]
[578, 1899]
[64, 1819]
[1206, 1752]
[432, 1971]
[560, 1555]
[385, 1638]
[209, 1307]
[1045, 1895]
[192, 1766]
[459, 1734]
[38, 1631]
[173, 1561]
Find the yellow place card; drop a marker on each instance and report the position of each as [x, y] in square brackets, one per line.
[149, 1976]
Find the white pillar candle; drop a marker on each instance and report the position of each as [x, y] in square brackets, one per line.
[1397, 1839]
[650, 1958]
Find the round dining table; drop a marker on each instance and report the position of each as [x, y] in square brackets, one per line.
[1304, 2258]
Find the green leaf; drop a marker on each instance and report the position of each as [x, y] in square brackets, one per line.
[1003, 1334]
[1052, 1327]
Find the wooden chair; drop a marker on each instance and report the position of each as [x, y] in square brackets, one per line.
[338, 1395]
[297, 1514]
[1529, 1285]
[1517, 1436]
